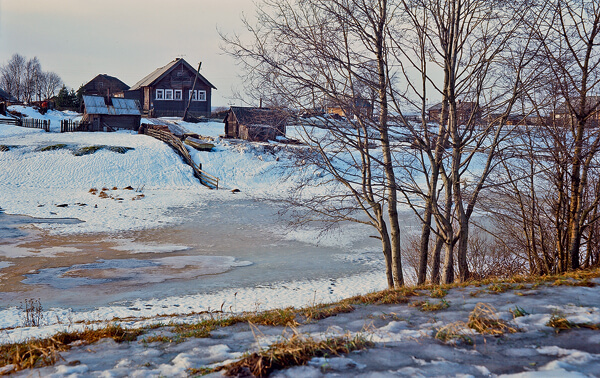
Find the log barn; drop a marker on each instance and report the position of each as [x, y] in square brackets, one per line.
[255, 124]
[104, 85]
[167, 91]
[111, 113]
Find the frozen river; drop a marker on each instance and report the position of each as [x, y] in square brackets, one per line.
[219, 246]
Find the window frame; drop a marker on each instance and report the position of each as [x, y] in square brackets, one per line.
[168, 94]
[178, 92]
[201, 96]
[160, 92]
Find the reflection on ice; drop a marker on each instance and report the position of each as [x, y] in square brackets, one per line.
[132, 271]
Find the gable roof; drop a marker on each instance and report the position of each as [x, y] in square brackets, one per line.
[5, 96]
[249, 116]
[108, 78]
[158, 74]
[119, 106]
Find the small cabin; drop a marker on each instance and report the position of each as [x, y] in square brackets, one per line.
[464, 109]
[350, 108]
[563, 115]
[111, 113]
[255, 124]
[7, 98]
[104, 85]
[169, 90]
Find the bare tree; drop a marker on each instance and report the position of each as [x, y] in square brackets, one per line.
[12, 75]
[312, 54]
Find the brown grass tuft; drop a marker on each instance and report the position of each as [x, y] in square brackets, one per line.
[103, 194]
[484, 320]
[325, 311]
[45, 352]
[295, 351]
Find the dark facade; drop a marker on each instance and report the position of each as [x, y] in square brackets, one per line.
[255, 124]
[351, 107]
[110, 113]
[104, 85]
[7, 98]
[465, 110]
[166, 92]
[563, 115]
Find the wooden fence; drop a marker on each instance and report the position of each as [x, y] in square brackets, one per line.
[31, 123]
[69, 126]
[175, 143]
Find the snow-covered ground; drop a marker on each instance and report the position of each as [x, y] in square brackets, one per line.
[403, 336]
[58, 176]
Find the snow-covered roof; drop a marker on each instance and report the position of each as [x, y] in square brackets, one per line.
[160, 72]
[119, 106]
[5, 96]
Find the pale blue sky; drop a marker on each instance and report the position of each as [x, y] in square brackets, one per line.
[79, 39]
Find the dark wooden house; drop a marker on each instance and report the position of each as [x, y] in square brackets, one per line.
[563, 115]
[465, 110]
[7, 98]
[255, 124]
[111, 113]
[167, 91]
[104, 85]
[351, 107]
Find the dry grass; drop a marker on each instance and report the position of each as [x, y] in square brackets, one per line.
[560, 323]
[484, 320]
[431, 306]
[45, 352]
[454, 333]
[295, 351]
[325, 311]
[397, 296]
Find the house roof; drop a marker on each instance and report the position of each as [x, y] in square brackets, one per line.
[5, 96]
[250, 116]
[119, 106]
[157, 74]
[109, 78]
[461, 105]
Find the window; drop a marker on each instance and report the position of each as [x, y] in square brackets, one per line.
[168, 94]
[198, 95]
[160, 94]
[178, 96]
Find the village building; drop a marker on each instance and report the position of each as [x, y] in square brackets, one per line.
[7, 98]
[104, 85]
[170, 90]
[464, 109]
[352, 107]
[111, 113]
[255, 124]
[564, 116]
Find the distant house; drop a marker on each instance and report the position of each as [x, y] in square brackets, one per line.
[167, 91]
[110, 113]
[563, 114]
[464, 109]
[104, 85]
[7, 98]
[351, 108]
[255, 124]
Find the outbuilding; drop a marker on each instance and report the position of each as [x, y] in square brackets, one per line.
[111, 113]
[255, 124]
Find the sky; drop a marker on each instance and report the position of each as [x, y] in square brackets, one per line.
[125, 38]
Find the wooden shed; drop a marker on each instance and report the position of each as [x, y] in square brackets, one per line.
[255, 124]
[465, 110]
[111, 114]
[168, 90]
[103, 85]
